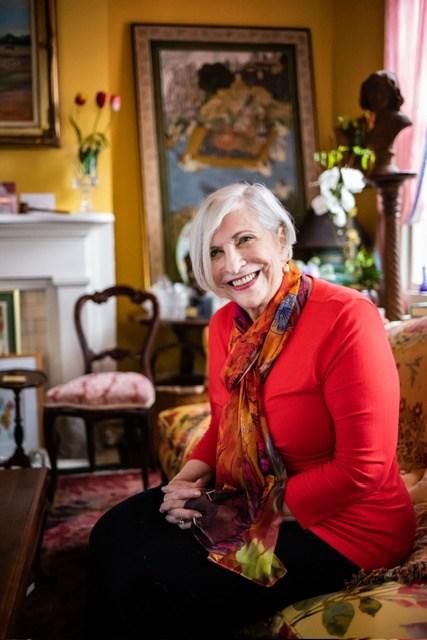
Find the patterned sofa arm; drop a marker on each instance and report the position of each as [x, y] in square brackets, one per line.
[390, 610]
[409, 344]
[179, 429]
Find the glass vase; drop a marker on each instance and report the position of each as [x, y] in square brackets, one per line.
[86, 185]
[86, 179]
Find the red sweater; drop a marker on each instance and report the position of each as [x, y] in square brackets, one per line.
[332, 404]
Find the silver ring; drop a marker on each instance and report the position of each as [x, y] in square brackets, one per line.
[181, 521]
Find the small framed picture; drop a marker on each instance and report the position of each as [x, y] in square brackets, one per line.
[10, 324]
[31, 406]
[8, 198]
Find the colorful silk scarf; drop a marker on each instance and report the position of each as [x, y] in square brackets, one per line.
[246, 457]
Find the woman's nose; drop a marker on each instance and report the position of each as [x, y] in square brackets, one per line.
[233, 260]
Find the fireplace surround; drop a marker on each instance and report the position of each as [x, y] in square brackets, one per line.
[53, 259]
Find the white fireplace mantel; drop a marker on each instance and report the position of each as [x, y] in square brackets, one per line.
[67, 255]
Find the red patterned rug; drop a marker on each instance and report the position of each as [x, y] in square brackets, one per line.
[54, 609]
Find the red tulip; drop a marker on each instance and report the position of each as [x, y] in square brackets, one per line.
[115, 103]
[80, 99]
[101, 98]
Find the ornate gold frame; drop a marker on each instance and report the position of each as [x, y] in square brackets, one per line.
[44, 129]
[149, 40]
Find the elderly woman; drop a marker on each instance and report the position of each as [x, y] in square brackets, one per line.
[300, 451]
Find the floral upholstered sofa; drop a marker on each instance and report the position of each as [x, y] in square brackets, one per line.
[384, 604]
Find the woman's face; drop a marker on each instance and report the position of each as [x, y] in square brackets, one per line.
[247, 261]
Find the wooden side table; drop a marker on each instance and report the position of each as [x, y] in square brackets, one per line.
[23, 504]
[16, 380]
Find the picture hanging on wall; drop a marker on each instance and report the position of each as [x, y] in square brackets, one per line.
[217, 105]
[28, 72]
[10, 325]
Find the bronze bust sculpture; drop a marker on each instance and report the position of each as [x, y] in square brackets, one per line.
[380, 96]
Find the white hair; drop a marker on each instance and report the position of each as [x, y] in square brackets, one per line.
[254, 199]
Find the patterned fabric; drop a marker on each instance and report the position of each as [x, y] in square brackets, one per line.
[247, 461]
[409, 343]
[107, 388]
[390, 610]
[179, 429]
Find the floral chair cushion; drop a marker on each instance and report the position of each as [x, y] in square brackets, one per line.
[409, 343]
[179, 429]
[108, 389]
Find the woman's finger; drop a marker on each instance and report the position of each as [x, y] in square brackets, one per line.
[182, 523]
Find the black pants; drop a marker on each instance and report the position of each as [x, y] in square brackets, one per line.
[149, 580]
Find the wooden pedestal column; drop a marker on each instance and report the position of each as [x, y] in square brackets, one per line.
[388, 186]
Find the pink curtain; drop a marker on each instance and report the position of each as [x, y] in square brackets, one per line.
[405, 53]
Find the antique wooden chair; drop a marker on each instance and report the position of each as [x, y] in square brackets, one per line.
[107, 395]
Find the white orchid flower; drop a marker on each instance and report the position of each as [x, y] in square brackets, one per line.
[340, 218]
[353, 180]
[336, 193]
[328, 180]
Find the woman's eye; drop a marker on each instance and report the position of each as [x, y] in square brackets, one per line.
[244, 240]
[214, 252]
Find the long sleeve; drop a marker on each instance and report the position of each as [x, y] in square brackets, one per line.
[360, 387]
[219, 331]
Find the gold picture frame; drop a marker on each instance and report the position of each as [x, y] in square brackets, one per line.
[10, 322]
[217, 105]
[29, 94]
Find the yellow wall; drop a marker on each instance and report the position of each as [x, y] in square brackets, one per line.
[83, 54]
[95, 54]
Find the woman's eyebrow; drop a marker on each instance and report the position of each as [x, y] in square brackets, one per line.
[233, 237]
[239, 233]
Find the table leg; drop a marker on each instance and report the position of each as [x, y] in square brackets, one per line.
[19, 457]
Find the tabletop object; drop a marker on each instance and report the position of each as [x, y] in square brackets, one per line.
[16, 380]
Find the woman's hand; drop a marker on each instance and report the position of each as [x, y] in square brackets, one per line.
[188, 483]
[177, 492]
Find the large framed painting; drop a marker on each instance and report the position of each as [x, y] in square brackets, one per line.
[217, 105]
[28, 73]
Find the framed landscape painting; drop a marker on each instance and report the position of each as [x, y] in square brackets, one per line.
[28, 73]
[217, 105]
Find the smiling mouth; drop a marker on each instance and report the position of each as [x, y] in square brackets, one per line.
[244, 281]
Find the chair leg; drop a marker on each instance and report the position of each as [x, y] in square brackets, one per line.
[90, 442]
[136, 445]
[50, 439]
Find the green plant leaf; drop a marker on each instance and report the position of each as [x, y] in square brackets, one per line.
[369, 605]
[308, 603]
[76, 129]
[337, 617]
